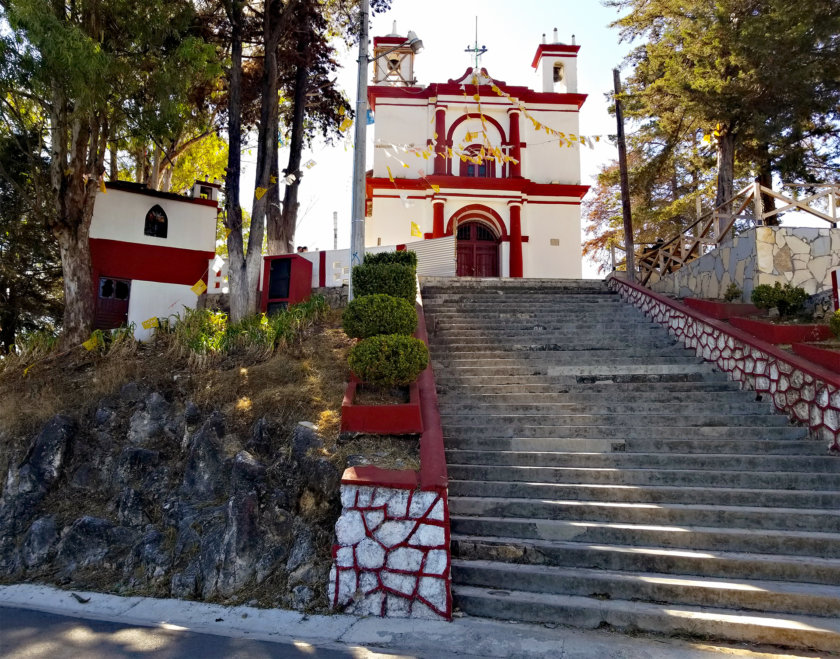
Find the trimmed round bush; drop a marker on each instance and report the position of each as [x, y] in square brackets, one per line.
[404, 257]
[787, 299]
[834, 323]
[394, 279]
[388, 359]
[379, 314]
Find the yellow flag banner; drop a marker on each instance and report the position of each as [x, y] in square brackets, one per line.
[415, 230]
[151, 323]
[199, 287]
[102, 187]
[436, 188]
[227, 233]
[260, 192]
[91, 344]
[390, 175]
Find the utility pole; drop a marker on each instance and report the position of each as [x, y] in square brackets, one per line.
[630, 260]
[335, 230]
[357, 215]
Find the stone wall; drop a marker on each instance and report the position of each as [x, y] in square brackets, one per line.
[807, 393]
[763, 255]
[392, 553]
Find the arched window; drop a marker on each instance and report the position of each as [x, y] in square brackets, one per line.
[484, 169]
[157, 223]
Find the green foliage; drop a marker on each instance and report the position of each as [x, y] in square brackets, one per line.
[37, 344]
[405, 257]
[787, 299]
[389, 359]
[206, 157]
[732, 293]
[834, 323]
[205, 332]
[395, 279]
[369, 315]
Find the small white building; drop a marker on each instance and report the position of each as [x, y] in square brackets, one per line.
[498, 165]
[148, 249]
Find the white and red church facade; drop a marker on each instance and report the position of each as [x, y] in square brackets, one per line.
[497, 165]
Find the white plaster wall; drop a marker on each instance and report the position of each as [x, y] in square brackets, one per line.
[543, 161]
[543, 222]
[152, 299]
[391, 221]
[401, 125]
[569, 82]
[121, 215]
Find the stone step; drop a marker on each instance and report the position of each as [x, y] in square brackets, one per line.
[702, 385]
[453, 405]
[692, 590]
[641, 558]
[594, 347]
[655, 494]
[709, 399]
[691, 538]
[529, 358]
[674, 419]
[798, 631]
[671, 514]
[673, 477]
[618, 364]
[670, 461]
[456, 434]
[795, 445]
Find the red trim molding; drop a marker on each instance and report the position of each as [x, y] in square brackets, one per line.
[167, 265]
[140, 188]
[513, 185]
[376, 92]
[478, 212]
[554, 49]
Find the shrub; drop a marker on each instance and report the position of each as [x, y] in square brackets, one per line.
[787, 299]
[389, 359]
[405, 257]
[732, 293]
[834, 323]
[379, 314]
[395, 279]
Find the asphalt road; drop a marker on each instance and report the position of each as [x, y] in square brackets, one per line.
[26, 634]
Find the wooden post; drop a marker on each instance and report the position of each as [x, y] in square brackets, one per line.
[625, 185]
[612, 256]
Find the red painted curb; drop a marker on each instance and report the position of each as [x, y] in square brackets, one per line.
[402, 419]
[773, 333]
[819, 355]
[721, 310]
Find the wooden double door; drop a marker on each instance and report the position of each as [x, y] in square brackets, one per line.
[478, 251]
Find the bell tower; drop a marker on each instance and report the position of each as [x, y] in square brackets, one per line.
[557, 63]
[393, 59]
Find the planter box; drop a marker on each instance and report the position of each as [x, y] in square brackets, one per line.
[722, 310]
[402, 419]
[782, 333]
[820, 355]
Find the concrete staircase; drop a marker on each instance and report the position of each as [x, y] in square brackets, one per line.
[600, 474]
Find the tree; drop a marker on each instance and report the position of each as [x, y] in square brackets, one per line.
[764, 74]
[85, 65]
[30, 272]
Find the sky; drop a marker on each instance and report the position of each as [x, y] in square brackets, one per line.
[511, 32]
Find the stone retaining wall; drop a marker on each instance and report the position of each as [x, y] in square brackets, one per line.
[392, 553]
[763, 255]
[806, 392]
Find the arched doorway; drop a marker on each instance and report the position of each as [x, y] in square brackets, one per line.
[478, 250]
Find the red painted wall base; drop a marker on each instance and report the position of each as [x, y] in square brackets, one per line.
[381, 419]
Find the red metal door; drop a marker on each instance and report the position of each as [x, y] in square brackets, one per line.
[112, 303]
[478, 251]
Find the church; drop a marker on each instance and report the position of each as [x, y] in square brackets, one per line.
[495, 165]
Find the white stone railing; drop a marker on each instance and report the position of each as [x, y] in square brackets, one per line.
[806, 392]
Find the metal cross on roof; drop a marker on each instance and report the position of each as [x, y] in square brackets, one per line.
[478, 52]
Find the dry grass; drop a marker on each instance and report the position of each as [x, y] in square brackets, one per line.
[301, 381]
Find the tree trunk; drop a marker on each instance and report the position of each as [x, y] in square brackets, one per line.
[765, 178]
[233, 210]
[8, 318]
[283, 234]
[725, 177]
[114, 163]
[277, 244]
[78, 282]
